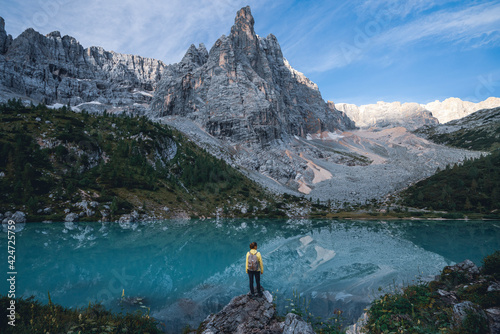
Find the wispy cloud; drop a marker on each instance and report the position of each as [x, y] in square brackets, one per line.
[472, 27]
[445, 26]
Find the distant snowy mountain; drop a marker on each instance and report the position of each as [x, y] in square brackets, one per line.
[412, 115]
[388, 115]
[454, 108]
[477, 131]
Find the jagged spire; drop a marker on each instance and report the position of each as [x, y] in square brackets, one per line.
[242, 32]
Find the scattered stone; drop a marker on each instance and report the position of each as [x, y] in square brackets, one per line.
[447, 297]
[47, 211]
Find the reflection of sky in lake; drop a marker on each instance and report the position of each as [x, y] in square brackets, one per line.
[187, 269]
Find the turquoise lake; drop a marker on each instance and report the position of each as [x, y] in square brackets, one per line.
[188, 269]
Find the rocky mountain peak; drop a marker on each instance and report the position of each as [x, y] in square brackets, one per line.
[196, 56]
[245, 92]
[54, 34]
[243, 25]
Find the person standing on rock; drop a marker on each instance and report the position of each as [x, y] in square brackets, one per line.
[254, 268]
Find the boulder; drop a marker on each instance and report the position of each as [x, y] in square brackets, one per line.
[294, 324]
[19, 217]
[71, 217]
[467, 309]
[467, 268]
[244, 314]
[494, 319]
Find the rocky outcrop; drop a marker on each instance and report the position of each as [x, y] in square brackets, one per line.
[385, 115]
[57, 69]
[245, 314]
[244, 90]
[454, 108]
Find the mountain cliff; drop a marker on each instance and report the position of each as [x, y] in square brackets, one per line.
[52, 69]
[244, 90]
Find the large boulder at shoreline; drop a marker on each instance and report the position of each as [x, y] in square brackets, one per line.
[19, 217]
[245, 314]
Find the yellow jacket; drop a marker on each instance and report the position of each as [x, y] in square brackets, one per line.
[259, 257]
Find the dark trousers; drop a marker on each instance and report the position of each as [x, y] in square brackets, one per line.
[251, 275]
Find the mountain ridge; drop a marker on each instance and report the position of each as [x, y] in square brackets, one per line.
[57, 69]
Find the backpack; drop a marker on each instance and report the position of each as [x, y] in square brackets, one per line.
[253, 262]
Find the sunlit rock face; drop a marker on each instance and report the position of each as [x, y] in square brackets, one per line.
[54, 69]
[385, 115]
[454, 108]
[412, 115]
[245, 90]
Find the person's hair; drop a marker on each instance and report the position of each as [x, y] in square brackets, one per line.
[253, 245]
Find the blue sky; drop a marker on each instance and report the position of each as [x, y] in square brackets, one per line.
[356, 51]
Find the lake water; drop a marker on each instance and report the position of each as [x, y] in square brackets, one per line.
[186, 270]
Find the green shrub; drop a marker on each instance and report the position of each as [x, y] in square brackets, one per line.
[474, 323]
[34, 317]
[491, 264]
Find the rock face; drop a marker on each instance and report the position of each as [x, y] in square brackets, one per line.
[454, 108]
[384, 115]
[244, 90]
[255, 315]
[58, 69]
